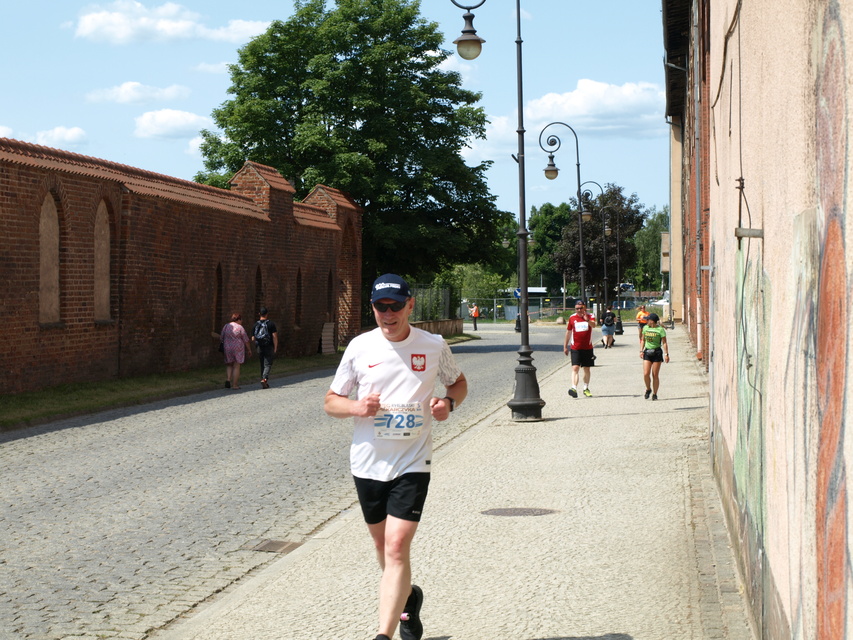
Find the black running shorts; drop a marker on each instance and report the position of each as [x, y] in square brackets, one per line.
[653, 355]
[403, 497]
[582, 357]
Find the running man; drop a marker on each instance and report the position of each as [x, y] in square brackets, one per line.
[393, 370]
[579, 336]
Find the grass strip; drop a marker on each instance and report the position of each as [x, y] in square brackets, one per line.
[80, 398]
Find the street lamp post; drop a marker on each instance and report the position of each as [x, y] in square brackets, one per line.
[526, 405]
[588, 195]
[607, 232]
[551, 146]
[618, 276]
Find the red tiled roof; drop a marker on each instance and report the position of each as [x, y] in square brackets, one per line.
[341, 199]
[136, 180]
[313, 216]
[272, 176]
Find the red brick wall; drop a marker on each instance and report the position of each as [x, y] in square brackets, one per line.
[168, 238]
[695, 237]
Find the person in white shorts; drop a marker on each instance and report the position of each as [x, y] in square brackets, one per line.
[392, 372]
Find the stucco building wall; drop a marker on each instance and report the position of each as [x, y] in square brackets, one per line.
[767, 143]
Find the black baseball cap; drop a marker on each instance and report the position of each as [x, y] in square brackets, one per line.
[390, 286]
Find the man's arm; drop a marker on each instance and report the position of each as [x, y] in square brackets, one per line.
[440, 407]
[275, 341]
[339, 406]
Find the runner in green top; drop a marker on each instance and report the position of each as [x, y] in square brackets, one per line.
[653, 352]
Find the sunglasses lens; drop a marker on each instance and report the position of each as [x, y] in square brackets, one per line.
[382, 307]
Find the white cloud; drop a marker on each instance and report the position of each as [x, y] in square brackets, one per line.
[126, 21]
[6, 132]
[236, 31]
[137, 93]
[62, 137]
[634, 109]
[464, 68]
[169, 123]
[594, 110]
[194, 147]
[220, 68]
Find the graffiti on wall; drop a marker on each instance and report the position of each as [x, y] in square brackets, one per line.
[817, 365]
[753, 309]
[831, 365]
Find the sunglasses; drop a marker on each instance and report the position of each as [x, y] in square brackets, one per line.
[382, 307]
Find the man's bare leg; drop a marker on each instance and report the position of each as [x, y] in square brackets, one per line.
[393, 541]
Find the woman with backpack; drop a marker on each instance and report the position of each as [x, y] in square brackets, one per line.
[608, 327]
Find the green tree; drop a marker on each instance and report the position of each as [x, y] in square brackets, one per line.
[625, 216]
[646, 270]
[354, 97]
[475, 282]
[546, 226]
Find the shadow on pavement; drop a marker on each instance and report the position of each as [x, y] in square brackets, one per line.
[607, 636]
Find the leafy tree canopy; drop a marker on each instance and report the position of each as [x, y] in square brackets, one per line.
[473, 282]
[645, 272]
[353, 97]
[557, 227]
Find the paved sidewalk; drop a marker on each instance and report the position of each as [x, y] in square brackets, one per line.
[614, 532]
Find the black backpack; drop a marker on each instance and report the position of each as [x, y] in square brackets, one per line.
[262, 333]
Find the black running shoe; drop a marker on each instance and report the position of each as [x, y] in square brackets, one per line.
[654, 396]
[648, 393]
[411, 627]
[573, 392]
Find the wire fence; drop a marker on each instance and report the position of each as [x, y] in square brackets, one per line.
[506, 309]
[431, 303]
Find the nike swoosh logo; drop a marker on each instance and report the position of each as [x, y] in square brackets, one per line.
[370, 366]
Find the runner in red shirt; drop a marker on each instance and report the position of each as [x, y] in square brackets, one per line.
[579, 337]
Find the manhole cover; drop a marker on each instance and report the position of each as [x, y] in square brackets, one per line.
[518, 511]
[273, 546]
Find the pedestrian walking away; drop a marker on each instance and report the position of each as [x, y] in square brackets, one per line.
[608, 327]
[579, 338]
[642, 316]
[235, 347]
[265, 336]
[653, 351]
[392, 371]
[474, 311]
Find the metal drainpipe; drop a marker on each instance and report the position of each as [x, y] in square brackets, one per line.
[697, 156]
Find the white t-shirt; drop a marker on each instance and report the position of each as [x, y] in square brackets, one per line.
[399, 439]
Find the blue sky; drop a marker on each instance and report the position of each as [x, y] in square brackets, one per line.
[134, 82]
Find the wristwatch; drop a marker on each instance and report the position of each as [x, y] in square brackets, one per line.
[451, 401]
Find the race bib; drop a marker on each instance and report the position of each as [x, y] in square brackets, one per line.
[582, 326]
[398, 421]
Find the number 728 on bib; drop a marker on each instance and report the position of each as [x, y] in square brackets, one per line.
[402, 420]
